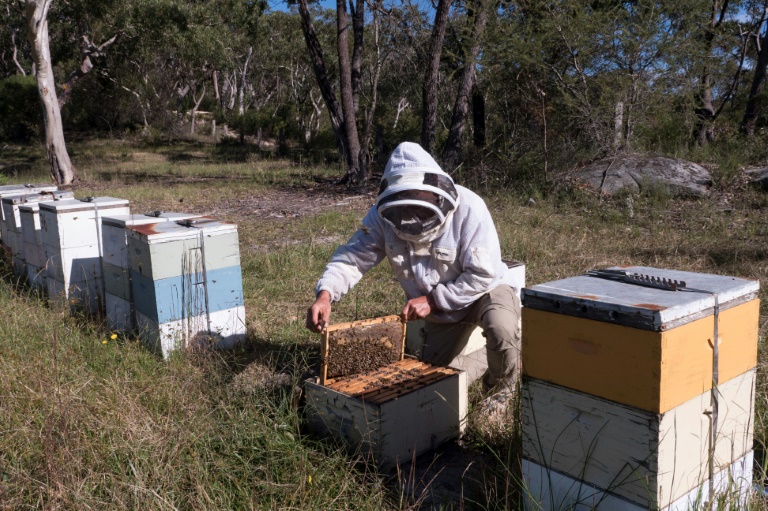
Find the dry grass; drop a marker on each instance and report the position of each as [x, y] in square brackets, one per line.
[86, 425]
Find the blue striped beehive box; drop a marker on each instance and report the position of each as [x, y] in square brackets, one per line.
[186, 283]
[117, 285]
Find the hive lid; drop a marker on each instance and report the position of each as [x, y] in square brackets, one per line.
[86, 204]
[26, 188]
[638, 306]
[162, 232]
[145, 218]
[28, 198]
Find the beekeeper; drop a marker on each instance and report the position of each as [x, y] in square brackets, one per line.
[442, 244]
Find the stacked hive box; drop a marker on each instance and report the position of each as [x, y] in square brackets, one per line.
[15, 238]
[117, 286]
[9, 190]
[72, 241]
[617, 401]
[187, 285]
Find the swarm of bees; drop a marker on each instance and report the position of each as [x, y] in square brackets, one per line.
[364, 348]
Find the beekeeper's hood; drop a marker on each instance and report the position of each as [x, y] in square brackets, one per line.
[417, 198]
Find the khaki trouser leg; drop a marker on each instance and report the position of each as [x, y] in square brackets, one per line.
[498, 314]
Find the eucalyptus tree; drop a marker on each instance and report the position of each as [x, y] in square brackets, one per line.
[758, 35]
[429, 101]
[36, 13]
[452, 149]
[343, 115]
[15, 57]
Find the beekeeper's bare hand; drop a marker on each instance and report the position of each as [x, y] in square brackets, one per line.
[319, 315]
[417, 308]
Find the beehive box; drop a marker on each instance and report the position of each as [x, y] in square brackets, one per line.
[391, 408]
[117, 286]
[558, 492]
[71, 236]
[618, 387]
[16, 239]
[9, 190]
[643, 347]
[643, 457]
[187, 284]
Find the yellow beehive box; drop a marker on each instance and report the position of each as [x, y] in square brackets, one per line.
[645, 347]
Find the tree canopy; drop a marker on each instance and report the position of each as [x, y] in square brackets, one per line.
[532, 85]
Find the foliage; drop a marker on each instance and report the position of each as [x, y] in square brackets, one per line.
[20, 113]
[561, 83]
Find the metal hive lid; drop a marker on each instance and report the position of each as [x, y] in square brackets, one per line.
[88, 204]
[637, 306]
[161, 232]
[145, 219]
[26, 188]
[27, 198]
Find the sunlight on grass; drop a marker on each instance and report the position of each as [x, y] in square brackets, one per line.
[89, 420]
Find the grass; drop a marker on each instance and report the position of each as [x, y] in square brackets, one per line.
[88, 425]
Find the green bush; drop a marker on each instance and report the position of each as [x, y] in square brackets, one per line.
[20, 115]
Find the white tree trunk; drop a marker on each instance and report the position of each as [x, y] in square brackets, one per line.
[194, 109]
[62, 171]
[618, 125]
[240, 98]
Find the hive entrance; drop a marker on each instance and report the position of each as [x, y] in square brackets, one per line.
[361, 346]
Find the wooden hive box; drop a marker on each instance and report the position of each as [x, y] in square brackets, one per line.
[379, 403]
[9, 190]
[70, 232]
[14, 237]
[117, 284]
[651, 460]
[186, 283]
[618, 400]
[644, 347]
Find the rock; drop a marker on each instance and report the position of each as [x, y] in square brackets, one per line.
[634, 173]
[531, 201]
[758, 178]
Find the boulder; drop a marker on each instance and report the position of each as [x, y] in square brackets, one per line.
[758, 178]
[635, 173]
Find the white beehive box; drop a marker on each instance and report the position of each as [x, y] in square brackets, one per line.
[34, 254]
[186, 283]
[397, 427]
[15, 236]
[77, 222]
[117, 286]
[383, 406]
[646, 458]
[8, 190]
[559, 492]
[71, 237]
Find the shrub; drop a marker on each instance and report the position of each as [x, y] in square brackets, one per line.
[20, 115]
